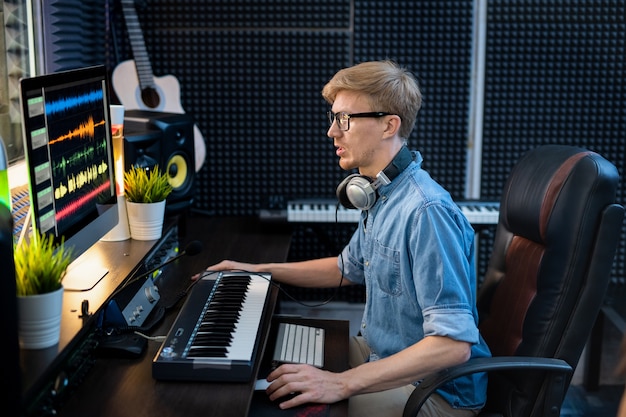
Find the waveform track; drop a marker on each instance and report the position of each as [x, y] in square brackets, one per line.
[69, 161]
[86, 130]
[77, 204]
[67, 103]
[77, 181]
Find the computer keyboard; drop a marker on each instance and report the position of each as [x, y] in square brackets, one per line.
[296, 343]
[20, 204]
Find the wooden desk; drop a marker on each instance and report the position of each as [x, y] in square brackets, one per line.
[121, 259]
[335, 359]
[116, 387]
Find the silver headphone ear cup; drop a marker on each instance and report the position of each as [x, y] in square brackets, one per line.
[360, 192]
[341, 192]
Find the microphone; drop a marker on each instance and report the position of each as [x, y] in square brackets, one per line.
[193, 248]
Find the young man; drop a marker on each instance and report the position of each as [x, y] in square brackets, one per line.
[413, 250]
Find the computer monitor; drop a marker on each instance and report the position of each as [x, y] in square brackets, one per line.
[69, 156]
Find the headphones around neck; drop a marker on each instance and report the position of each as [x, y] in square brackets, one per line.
[359, 192]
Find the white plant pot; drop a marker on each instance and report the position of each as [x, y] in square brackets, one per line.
[39, 319]
[145, 220]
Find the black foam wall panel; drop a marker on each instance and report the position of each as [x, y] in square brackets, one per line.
[251, 74]
[434, 40]
[555, 73]
[74, 33]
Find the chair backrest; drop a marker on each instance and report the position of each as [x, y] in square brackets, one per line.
[550, 266]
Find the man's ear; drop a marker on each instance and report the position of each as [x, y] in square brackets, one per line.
[393, 125]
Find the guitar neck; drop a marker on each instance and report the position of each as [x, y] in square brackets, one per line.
[140, 53]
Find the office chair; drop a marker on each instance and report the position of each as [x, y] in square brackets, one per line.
[549, 269]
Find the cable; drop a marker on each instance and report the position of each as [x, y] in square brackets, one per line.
[277, 285]
[184, 293]
[151, 338]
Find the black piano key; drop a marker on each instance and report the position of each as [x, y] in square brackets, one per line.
[222, 334]
[208, 351]
[224, 312]
[220, 320]
[206, 339]
[214, 334]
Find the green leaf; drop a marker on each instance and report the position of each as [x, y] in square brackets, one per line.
[40, 265]
[145, 185]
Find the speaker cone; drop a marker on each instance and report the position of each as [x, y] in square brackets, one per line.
[177, 171]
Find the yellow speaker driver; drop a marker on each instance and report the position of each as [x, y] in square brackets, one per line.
[177, 170]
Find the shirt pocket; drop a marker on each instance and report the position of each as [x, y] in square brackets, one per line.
[386, 269]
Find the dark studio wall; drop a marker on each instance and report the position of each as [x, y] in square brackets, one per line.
[251, 73]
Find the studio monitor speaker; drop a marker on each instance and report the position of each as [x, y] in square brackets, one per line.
[167, 140]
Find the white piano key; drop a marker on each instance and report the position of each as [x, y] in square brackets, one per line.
[246, 329]
[320, 211]
[478, 212]
[327, 211]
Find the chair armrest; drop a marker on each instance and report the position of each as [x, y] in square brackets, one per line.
[431, 383]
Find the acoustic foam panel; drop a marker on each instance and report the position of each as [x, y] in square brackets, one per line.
[251, 74]
[434, 40]
[555, 73]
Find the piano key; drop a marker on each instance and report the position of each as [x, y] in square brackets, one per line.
[480, 212]
[224, 313]
[320, 211]
[241, 314]
[328, 211]
[220, 344]
[247, 327]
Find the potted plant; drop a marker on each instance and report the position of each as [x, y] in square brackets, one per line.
[146, 185]
[146, 191]
[40, 266]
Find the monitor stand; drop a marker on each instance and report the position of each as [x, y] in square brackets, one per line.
[83, 275]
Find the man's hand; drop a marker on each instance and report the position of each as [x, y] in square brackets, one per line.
[227, 265]
[301, 384]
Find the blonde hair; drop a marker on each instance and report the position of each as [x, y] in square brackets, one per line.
[387, 86]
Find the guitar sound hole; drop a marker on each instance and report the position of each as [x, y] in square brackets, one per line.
[150, 97]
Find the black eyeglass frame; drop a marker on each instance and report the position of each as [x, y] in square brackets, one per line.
[332, 117]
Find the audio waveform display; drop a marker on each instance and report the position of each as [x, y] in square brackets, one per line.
[76, 205]
[84, 130]
[77, 147]
[70, 140]
[65, 104]
[76, 181]
[71, 162]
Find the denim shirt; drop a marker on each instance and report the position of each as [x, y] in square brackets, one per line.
[414, 252]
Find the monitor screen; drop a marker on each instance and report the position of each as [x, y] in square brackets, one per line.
[69, 156]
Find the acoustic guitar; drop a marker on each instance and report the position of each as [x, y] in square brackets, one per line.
[137, 87]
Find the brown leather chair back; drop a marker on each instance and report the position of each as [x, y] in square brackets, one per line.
[550, 266]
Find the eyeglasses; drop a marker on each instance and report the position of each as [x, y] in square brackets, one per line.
[343, 118]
